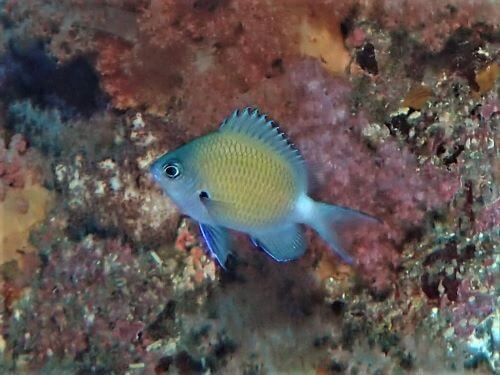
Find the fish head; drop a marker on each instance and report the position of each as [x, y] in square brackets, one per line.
[176, 174]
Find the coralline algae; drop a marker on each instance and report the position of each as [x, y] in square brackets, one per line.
[394, 106]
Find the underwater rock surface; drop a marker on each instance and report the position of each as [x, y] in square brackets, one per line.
[394, 105]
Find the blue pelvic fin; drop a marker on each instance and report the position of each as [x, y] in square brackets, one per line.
[217, 241]
[285, 244]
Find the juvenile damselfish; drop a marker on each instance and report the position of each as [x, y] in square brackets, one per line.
[246, 176]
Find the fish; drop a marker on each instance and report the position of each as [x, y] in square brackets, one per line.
[247, 176]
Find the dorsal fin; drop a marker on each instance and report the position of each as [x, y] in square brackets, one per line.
[251, 122]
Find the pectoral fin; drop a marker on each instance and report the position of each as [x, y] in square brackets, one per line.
[217, 241]
[284, 244]
[217, 209]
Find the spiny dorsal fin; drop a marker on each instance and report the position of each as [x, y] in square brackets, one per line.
[251, 122]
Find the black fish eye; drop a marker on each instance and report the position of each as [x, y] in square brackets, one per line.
[171, 170]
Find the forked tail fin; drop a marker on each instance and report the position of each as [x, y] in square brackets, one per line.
[328, 220]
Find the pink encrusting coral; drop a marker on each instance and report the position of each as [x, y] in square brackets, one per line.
[215, 41]
[431, 22]
[393, 106]
[148, 51]
[489, 217]
[473, 305]
[386, 182]
[313, 108]
[94, 275]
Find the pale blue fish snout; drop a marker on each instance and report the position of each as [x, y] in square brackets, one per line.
[156, 169]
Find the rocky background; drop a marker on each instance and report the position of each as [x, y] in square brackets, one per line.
[395, 105]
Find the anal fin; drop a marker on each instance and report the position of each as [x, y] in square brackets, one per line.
[284, 244]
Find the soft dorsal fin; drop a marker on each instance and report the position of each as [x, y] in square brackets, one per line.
[251, 122]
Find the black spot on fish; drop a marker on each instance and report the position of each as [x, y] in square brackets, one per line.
[204, 195]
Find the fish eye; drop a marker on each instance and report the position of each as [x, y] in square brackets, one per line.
[171, 170]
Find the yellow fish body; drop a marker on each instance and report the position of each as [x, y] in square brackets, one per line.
[246, 176]
[259, 185]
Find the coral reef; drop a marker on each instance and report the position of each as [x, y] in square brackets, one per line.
[115, 193]
[29, 73]
[430, 23]
[394, 105]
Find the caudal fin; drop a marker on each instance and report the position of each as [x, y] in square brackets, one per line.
[329, 220]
